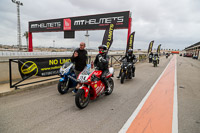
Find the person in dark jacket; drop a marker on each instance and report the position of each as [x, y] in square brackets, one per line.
[80, 58]
[130, 57]
[101, 63]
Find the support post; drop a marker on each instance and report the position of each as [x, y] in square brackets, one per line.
[129, 28]
[30, 44]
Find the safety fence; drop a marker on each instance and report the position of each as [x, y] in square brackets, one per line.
[31, 67]
[25, 54]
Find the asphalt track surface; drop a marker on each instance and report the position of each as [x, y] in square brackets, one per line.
[44, 110]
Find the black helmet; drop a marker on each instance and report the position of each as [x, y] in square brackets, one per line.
[102, 49]
[130, 51]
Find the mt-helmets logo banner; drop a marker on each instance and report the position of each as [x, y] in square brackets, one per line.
[100, 21]
[108, 35]
[46, 25]
[130, 41]
[67, 24]
[91, 22]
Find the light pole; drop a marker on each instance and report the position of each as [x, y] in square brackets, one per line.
[87, 39]
[18, 23]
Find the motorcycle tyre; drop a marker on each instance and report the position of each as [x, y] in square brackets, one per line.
[122, 78]
[78, 96]
[63, 91]
[154, 64]
[111, 82]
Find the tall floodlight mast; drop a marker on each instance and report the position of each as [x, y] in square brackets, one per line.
[19, 41]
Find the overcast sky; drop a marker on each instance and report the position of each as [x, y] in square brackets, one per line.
[173, 23]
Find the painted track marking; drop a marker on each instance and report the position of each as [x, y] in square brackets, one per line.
[157, 112]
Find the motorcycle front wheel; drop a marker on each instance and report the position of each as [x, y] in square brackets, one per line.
[63, 87]
[80, 99]
[122, 77]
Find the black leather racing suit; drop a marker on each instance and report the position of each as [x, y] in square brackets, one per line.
[132, 59]
[101, 62]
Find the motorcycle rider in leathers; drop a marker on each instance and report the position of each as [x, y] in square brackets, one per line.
[101, 63]
[130, 58]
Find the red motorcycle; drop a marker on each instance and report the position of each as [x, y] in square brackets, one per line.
[92, 87]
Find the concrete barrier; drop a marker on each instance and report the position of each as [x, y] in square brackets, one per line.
[5, 56]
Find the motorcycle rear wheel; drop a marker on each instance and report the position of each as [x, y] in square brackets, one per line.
[154, 64]
[80, 99]
[111, 83]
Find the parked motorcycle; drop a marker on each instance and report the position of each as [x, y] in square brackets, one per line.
[155, 61]
[66, 71]
[126, 70]
[92, 87]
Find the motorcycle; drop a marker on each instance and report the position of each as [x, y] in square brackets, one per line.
[126, 70]
[166, 56]
[150, 58]
[92, 87]
[155, 61]
[66, 71]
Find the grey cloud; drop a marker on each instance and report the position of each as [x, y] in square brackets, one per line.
[172, 23]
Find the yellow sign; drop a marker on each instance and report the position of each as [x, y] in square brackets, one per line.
[31, 67]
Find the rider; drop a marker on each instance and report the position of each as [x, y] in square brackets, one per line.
[150, 57]
[101, 62]
[157, 57]
[130, 58]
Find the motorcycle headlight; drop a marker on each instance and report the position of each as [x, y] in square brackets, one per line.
[82, 81]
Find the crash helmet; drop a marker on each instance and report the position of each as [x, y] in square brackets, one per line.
[130, 51]
[156, 54]
[102, 49]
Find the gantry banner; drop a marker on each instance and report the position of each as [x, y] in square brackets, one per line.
[91, 22]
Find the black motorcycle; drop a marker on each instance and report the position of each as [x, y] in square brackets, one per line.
[126, 70]
[155, 61]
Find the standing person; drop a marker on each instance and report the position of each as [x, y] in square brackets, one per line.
[80, 58]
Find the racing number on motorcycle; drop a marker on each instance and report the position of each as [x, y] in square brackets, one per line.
[82, 77]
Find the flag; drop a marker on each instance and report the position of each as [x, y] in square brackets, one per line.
[150, 46]
[130, 41]
[108, 35]
[158, 49]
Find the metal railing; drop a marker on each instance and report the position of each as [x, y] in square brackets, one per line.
[114, 60]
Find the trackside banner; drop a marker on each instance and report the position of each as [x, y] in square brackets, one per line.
[108, 35]
[150, 47]
[92, 22]
[158, 49]
[41, 66]
[130, 41]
